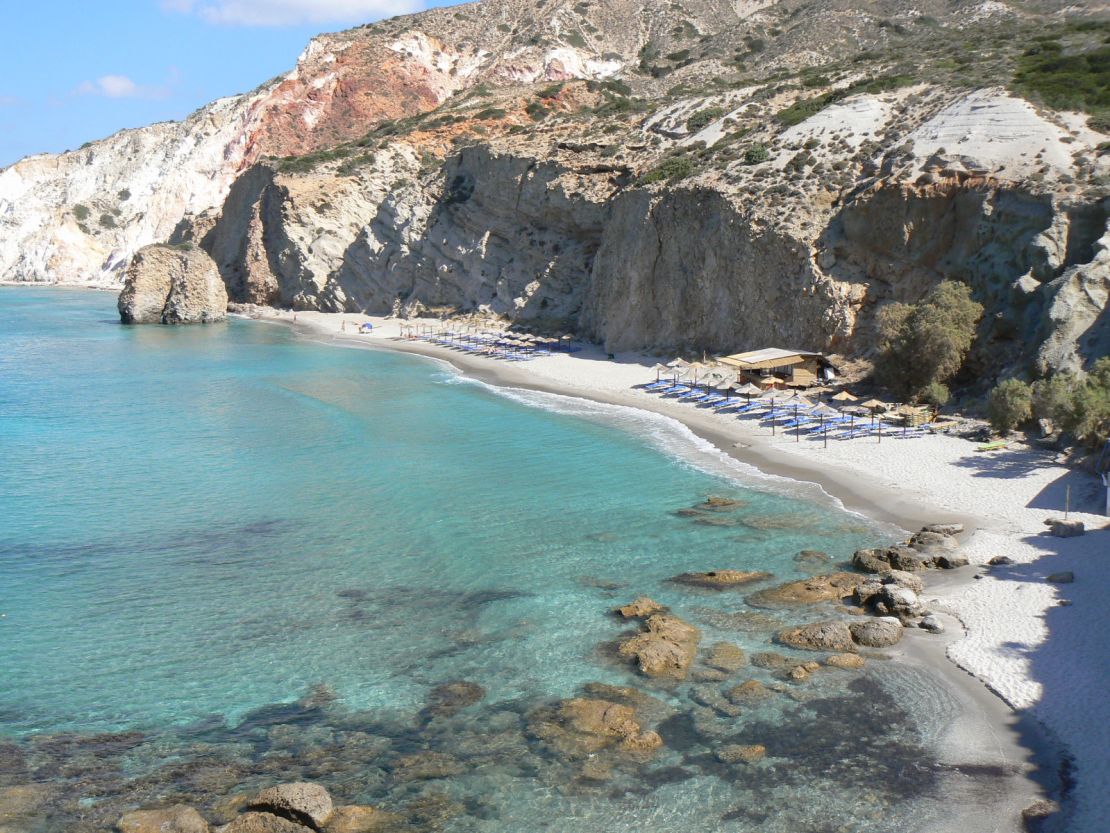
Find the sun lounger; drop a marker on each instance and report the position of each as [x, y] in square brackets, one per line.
[995, 446]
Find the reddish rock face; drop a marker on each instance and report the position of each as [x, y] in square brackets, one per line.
[346, 84]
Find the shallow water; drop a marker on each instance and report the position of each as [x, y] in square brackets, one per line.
[199, 525]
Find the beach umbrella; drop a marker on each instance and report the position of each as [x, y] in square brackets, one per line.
[769, 381]
[844, 396]
[660, 369]
[748, 389]
[874, 404]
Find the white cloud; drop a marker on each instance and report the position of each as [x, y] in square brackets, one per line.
[290, 12]
[120, 86]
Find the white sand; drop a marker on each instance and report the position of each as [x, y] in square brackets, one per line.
[1051, 660]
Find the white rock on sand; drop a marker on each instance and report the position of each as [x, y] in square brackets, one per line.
[1025, 646]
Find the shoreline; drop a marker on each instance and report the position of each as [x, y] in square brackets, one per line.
[1036, 753]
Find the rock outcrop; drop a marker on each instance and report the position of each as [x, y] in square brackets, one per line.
[665, 648]
[172, 285]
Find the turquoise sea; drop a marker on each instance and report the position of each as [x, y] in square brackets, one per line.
[231, 556]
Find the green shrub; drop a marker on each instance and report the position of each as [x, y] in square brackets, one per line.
[490, 113]
[575, 40]
[703, 118]
[926, 342]
[1010, 405]
[756, 154]
[670, 169]
[107, 220]
[81, 212]
[935, 394]
[124, 195]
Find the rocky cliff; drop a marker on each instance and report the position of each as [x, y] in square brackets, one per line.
[711, 175]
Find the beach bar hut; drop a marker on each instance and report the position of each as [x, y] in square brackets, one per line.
[796, 368]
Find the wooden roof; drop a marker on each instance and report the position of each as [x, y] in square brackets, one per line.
[769, 358]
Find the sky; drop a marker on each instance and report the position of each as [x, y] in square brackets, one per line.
[73, 70]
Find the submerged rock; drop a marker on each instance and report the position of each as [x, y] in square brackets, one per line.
[449, 699]
[724, 656]
[353, 818]
[720, 579]
[752, 691]
[819, 636]
[427, 766]
[845, 661]
[666, 648]
[735, 753]
[827, 588]
[581, 727]
[172, 285]
[255, 822]
[180, 818]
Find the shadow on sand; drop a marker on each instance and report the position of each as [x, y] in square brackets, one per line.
[1072, 662]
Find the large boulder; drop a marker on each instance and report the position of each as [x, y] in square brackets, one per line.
[172, 285]
[877, 633]
[303, 802]
[819, 636]
[665, 648]
[180, 818]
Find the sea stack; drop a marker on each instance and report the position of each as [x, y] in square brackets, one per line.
[172, 285]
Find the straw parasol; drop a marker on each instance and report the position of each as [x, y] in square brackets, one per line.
[765, 381]
[679, 362]
[660, 369]
[844, 396]
[874, 405]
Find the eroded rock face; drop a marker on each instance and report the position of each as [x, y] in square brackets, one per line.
[172, 285]
[665, 649]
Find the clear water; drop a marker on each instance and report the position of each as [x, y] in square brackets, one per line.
[198, 525]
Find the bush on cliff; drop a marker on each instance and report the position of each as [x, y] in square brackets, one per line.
[1010, 405]
[925, 343]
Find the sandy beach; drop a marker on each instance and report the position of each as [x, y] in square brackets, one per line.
[1038, 645]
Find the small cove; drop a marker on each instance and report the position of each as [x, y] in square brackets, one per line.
[204, 526]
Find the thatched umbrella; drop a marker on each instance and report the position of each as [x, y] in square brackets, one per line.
[769, 381]
[844, 396]
[874, 405]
